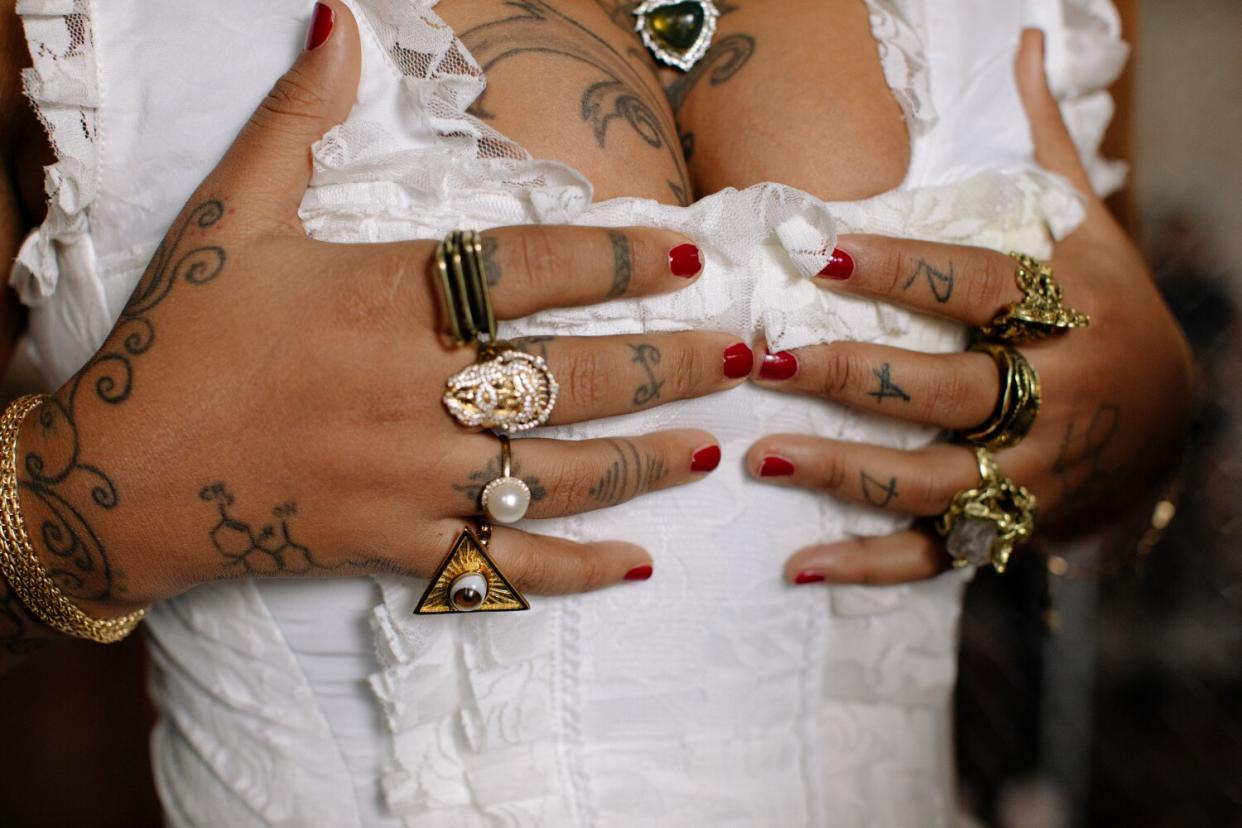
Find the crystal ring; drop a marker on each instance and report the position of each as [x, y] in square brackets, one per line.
[505, 499]
[506, 390]
[984, 524]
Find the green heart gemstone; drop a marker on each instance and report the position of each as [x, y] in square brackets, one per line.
[677, 26]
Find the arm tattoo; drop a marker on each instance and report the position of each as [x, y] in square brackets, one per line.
[491, 265]
[621, 91]
[887, 388]
[630, 474]
[622, 263]
[476, 480]
[876, 493]
[940, 281]
[648, 356]
[56, 468]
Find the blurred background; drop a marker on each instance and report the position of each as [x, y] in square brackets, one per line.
[1091, 695]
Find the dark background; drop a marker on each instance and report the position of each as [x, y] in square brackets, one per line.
[1111, 700]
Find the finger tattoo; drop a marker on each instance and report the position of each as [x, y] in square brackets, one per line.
[648, 356]
[622, 264]
[887, 388]
[876, 493]
[940, 281]
[631, 474]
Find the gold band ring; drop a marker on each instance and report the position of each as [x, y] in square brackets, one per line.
[1017, 403]
[461, 275]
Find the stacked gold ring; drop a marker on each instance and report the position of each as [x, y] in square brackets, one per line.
[1018, 402]
[465, 303]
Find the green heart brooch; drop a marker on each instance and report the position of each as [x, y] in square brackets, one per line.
[678, 32]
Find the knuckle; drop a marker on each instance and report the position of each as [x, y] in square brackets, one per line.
[293, 95]
[929, 495]
[535, 256]
[985, 289]
[586, 384]
[893, 268]
[689, 372]
[841, 371]
[951, 393]
[833, 473]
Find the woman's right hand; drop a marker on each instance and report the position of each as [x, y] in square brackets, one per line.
[269, 405]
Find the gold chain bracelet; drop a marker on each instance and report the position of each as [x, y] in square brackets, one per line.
[20, 564]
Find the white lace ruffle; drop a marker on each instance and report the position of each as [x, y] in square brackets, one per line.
[1085, 56]
[63, 87]
[895, 24]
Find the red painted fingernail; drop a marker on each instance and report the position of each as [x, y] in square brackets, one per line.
[808, 578]
[779, 366]
[773, 466]
[685, 260]
[639, 573]
[738, 360]
[705, 459]
[321, 26]
[840, 266]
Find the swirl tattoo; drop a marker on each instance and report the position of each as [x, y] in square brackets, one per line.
[54, 470]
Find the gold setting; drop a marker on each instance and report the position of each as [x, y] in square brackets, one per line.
[1040, 313]
[984, 524]
[468, 556]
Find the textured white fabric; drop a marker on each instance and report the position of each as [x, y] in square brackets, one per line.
[713, 694]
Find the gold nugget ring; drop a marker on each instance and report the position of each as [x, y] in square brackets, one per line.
[1040, 313]
[984, 524]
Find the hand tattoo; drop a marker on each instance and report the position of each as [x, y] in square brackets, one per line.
[476, 480]
[57, 472]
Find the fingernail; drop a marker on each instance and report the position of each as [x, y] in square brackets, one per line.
[738, 360]
[685, 260]
[639, 573]
[705, 459]
[773, 466]
[808, 578]
[779, 366]
[321, 26]
[840, 266]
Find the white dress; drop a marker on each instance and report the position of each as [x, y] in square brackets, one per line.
[714, 694]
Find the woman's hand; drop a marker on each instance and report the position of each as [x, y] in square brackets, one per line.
[271, 405]
[1117, 395]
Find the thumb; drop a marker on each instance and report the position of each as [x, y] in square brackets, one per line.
[1054, 148]
[269, 165]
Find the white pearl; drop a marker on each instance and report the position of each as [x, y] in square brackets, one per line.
[506, 499]
[468, 592]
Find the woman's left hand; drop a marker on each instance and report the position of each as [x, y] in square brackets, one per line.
[1117, 395]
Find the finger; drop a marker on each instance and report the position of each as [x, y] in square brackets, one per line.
[920, 482]
[567, 477]
[1054, 148]
[953, 391]
[554, 566]
[269, 165]
[609, 375]
[531, 268]
[967, 284]
[912, 555]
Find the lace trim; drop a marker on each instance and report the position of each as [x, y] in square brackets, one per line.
[63, 87]
[895, 24]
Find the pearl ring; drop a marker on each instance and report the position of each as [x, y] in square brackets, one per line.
[505, 499]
